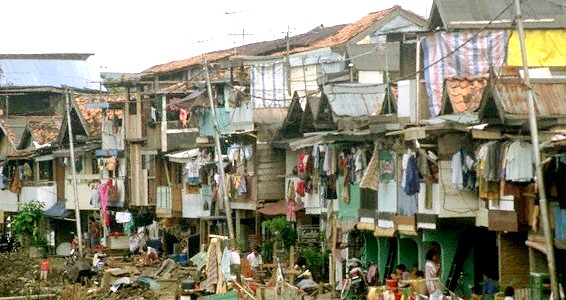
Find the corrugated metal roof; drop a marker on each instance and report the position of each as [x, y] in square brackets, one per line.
[465, 14]
[354, 99]
[47, 70]
[550, 96]
[382, 56]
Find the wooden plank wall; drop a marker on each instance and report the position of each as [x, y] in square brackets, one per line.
[270, 173]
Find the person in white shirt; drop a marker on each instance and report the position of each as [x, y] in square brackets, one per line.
[255, 259]
[509, 293]
[235, 264]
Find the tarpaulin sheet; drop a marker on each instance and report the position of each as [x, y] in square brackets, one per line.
[545, 48]
[472, 58]
[269, 85]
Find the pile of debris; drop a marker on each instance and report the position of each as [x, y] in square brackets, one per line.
[138, 291]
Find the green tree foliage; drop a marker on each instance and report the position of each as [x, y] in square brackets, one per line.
[26, 224]
[282, 231]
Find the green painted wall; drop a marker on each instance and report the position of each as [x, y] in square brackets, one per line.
[408, 252]
[223, 118]
[383, 250]
[448, 240]
[371, 250]
[469, 274]
[348, 211]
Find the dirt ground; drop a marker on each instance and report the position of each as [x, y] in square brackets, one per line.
[20, 277]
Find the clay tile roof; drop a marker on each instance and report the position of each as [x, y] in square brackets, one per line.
[93, 116]
[465, 94]
[45, 130]
[9, 132]
[352, 30]
[180, 64]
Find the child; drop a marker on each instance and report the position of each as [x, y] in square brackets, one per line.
[45, 268]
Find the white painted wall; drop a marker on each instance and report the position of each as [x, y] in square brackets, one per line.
[370, 77]
[304, 78]
[8, 201]
[46, 194]
[193, 205]
[435, 200]
[454, 202]
[482, 219]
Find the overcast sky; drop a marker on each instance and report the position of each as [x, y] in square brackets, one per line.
[131, 36]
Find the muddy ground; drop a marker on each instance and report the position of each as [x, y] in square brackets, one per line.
[20, 277]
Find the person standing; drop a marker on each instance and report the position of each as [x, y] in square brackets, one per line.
[489, 287]
[432, 268]
[255, 260]
[44, 269]
[509, 293]
[235, 264]
[94, 232]
[401, 273]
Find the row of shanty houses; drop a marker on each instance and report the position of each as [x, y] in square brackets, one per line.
[394, 132]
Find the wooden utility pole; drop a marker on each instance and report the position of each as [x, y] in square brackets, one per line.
[543, 203]
[74, 173]
[219, 158]
[333, 249]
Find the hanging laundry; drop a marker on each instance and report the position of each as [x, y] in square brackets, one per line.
[404, 163]
[330, 187]
[128, 227]
[94, 195]
[103, 191]
[123, 217]
[16, 184]
[360, 164]
[2, 178]
[111, 166]
[27, 172]
[370, 179]
[386, 165]
[291, 190]
[343, 165]
[301, 188]
[291, 216]
[519, 162]
[154, 113]
[248, 152]
[315, 156]
[301, 166]
[487, 189]
[192, 170]
[79, 165]
[333, 168]
[234, 153]
[412, 181]
[242, 189]
[183, 116]
[462, 168]
[113, 194]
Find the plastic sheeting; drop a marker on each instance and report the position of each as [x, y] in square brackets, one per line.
[545, 48]
[462, 53]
